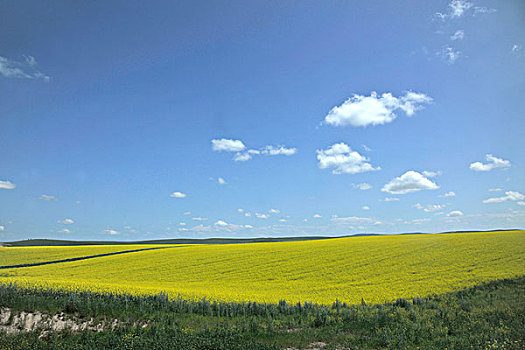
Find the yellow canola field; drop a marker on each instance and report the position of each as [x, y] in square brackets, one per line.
[31, 255]
[377, 268]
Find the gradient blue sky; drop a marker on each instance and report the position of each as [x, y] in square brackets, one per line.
[108, 108]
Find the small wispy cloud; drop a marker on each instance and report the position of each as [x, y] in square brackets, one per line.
[66, 221]
[389, 199]
[178, 195]
[21, 70]
[509, 196]
[47, 198]
[448, 194]
[111, 232]
[362, 186]
[242, 154]
[458, 35]
[449, 54]
[7, 185]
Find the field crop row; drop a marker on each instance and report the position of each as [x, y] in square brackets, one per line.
[376, 269]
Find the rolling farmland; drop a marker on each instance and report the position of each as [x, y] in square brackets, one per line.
[376, 269]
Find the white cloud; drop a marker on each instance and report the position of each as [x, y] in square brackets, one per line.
[21, 70]
[262, 216]
[317, 216]
[389, 199]
[227, 145]
[247, 214]
[449, 54]
[483, 10]
[344, 161]
[182, 224]
[274, 211]
[45, 197]
[411, 181]
[273, 151]
[65, 230]
[455, 213]
[493, 162]
[198, 218]
[242, 157]
[248, 226]
[449, 194]
[431, 173]
[430, 207]
[458, 35]
[242, 154]
[282, 220]
[221, 223]
[221, 181]
[362, 186]
[350, 219]
[458, 7]
[178, 195]
[66, 221]
[509, 196]
[187, 213]
[495, 189]
[111, 232]
[240, 210]
[366, 207]
[2, 227]
[7, 185]
[361, 110]
[183, 229]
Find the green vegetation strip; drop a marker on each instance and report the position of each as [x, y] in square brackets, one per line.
[487, 316]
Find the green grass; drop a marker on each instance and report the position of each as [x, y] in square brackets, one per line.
[488, 316]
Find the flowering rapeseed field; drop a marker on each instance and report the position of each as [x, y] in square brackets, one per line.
[375, 268]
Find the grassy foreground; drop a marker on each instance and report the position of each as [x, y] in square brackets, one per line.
[489, 316]
[376, 269]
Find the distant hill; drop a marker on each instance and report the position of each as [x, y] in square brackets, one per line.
[58, 242]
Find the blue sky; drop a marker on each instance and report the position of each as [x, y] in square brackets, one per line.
[133, 120]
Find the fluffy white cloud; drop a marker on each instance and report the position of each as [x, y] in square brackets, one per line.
[2, 227]
[274, 211]
[66, 221]
[449, 194]
[7, 185]
[458, 7]
[509, 196]
[411, 181]
[362, 186]
[47, 198]
[458, 35]
[455, 213]
[111, 232]
[242, 157]
[361, 110]
[317, 216]
[227, 145]
[221, 223]
[221, 181]
[178, 195]
[240, 210]
[365, 207]
[344, 161]
[198, 218]
[493, 162]
[21, 70]
[261, 216]
[182, 224]
[65, 230]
